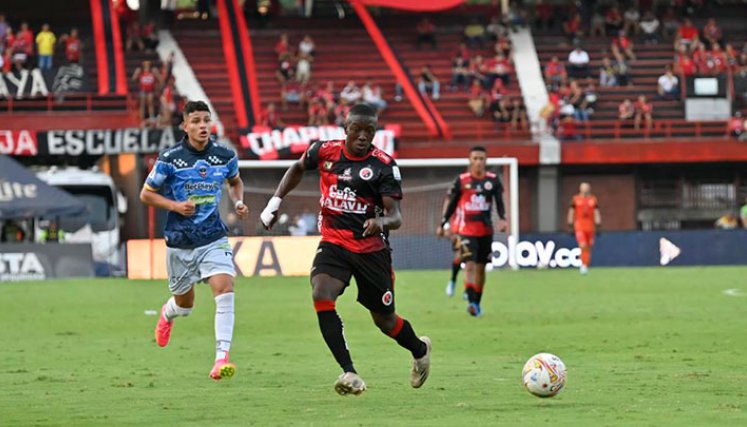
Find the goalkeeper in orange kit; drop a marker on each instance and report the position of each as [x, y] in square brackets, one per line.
[584, 220]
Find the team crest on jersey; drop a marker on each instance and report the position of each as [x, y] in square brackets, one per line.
[488, 186]
[366, 173]
[387, 298]
[467, 186]
[203, 171]
[327, 165]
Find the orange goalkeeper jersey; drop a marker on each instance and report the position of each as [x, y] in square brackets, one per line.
[583, 212]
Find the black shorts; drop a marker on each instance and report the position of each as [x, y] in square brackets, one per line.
[474, 248]
[372, 271]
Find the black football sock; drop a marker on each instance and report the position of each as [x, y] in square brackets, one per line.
[405, 337]
[478, 297]
[332, 330]
[455, 267]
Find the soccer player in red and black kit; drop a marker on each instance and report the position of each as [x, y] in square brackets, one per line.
[361, 189]
[473, 193]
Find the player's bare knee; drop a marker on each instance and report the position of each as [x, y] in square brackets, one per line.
[325, 288]
[385, 322]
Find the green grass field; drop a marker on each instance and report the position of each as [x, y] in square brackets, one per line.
[644, 347]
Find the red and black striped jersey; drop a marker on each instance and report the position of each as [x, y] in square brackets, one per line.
[351, 192]
[474, 198]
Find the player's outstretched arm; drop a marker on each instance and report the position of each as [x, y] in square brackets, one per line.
[153, 198]
[454, 194]
[291, 179]
[391, 220]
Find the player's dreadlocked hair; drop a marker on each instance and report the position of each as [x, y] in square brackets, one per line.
[362, 110]
[193, 106]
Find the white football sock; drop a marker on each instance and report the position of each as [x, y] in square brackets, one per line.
[224, 317]
[172, 310]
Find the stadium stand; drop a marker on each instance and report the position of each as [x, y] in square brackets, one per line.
[644, 72]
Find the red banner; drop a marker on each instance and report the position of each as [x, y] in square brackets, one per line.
[413, 5]
[268, 144]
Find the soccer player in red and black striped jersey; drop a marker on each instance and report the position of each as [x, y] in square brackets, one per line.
[473, 193]
[360, 187]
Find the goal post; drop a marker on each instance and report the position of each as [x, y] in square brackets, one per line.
[425, 183]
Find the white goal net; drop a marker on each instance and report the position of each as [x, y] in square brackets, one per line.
[425, 183]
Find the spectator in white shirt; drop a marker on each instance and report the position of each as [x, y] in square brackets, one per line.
[351, 94]
[306, 46]
[372, 95]
[668, 87]
[578, 63]
[303, 68]
[650, 28]
[631, 17]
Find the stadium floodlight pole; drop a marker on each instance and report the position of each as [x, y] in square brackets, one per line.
[513, 185]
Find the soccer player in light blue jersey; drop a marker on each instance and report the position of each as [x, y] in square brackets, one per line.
[187, 181]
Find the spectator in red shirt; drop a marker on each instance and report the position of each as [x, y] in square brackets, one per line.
[622, 45]
[73, 46]
[573, 28]
[318, 113]
[477, 70]
[626, 110]
[426, 33]
[134, 37]
[464, 51]
[147, 81]
[712, 33]
[555, 73]
[643, 112]
[720, 62]
[497, 92]
[687, 34]
[270, 118]
[168, 103]
[613, 21]
[499, 68]
[568, 129]
[28, 36]
[685, 65]
[478, 99]
[543, 15]
[281, 47]
[8, 50]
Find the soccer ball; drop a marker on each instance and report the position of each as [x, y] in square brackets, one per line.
[544, 375]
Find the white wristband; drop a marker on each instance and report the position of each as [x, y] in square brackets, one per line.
[274, 204]
[238, 204]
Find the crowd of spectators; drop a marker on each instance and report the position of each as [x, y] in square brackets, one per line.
[481, 67]
[323, 103]
[158, 98]
[21, 49]
[698, 51]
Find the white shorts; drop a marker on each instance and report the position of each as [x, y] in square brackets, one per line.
[189, 266]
